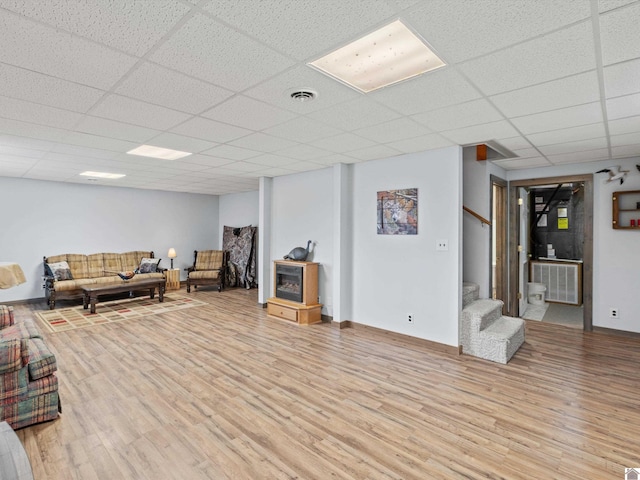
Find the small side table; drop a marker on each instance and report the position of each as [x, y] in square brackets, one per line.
[173, 279]
[14, 463]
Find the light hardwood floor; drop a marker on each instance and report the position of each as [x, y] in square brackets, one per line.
[223, 392]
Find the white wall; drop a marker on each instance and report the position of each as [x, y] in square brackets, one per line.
[616, 253]
[398, 275]
[238, 210]
[476, 235]
[49, 218]
[302, 210]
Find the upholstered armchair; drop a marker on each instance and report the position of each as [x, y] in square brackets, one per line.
[28, 384]
[209, 267]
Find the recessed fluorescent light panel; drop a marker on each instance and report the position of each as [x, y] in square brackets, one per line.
[111, 176]
[158, 152]
[384, 57]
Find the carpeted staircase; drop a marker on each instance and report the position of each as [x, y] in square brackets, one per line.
[484, 331]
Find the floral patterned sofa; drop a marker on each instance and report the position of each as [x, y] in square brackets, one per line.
[66, 274]
[28, 384]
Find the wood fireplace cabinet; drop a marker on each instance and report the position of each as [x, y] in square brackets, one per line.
[295, 292]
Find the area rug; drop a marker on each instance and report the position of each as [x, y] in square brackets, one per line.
[64, 319]
[535, 312]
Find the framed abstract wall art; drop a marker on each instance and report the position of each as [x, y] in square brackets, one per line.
[398, 212]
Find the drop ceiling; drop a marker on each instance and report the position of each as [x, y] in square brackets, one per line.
[81, 83]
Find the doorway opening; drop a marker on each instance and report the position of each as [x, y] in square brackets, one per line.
[499, 267]
[551, 246]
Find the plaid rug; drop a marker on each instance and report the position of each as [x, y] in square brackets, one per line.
[63, 319]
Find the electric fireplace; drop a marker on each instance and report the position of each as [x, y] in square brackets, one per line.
[289, 284]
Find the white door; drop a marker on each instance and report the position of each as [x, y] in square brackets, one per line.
[523, 242]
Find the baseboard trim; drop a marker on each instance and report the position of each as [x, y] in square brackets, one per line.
[408, 340]
[341, 325]
[613, 331]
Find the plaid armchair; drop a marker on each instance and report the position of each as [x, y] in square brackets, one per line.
[28, 384]
[209, 267]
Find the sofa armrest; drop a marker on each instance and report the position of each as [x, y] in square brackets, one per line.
[6, 316]
[14, 354]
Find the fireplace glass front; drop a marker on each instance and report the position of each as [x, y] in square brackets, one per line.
[289, 282]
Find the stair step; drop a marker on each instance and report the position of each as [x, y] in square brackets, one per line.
[485, 311]
[470, 292]
[504, 328]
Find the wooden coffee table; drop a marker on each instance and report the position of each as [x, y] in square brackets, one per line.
[91, 292]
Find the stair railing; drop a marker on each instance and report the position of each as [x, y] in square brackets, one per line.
[477, 215]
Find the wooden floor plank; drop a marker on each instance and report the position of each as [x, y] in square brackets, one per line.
[224, 392]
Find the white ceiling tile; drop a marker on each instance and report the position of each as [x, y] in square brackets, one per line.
[8, 150]
[626, 151]
[622, 78]
[625, 139]
[271, 160]
[481, 133]
[343, 142]
[569, 147]
[619, 34]
[514, 143]
[97, 142]
[17, 161]
[620, 107]
[231, 152]
[249, 113]
[26, 142]
[110, 128]
[262, 142]
[577, 157]
[333, 159]
[46, 90]
[155, 84]
[558, 119]
[60, 54]
[35, 113]
[305, 166]
[83, 151]
[526, 153]
[207, 160]
[358, 113]
[202, 46]
[394, 130]
[181, 143]
[566, 92]
[463, 30]
[605, 5]
[128, 110]
[624, 125]
[302, 129]
[23, 129]
[536, 61]
[304, 27]
[270, 172]
[302, 152]
[433, 90]
[277, 91]
[421, 143]
[375, 152]
[133, 27]
[583, 132]
[521, 163]
[210, 130]
[459, 116]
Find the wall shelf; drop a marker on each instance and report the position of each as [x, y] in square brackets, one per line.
[626, 211]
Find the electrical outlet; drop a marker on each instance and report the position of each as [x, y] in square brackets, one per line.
[410, 317]
[614, 313]
[442, 245]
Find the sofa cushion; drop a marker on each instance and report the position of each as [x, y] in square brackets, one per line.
[209, 259]
[111, 263]
[148, 265]
[131, 260]
[41, 362]
[59, 270]
[13, 386]
[6, 316]
[69, 285]
[21, 329]
[204, 274]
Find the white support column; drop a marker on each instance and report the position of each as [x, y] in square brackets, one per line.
[264, 241]
[342, 244]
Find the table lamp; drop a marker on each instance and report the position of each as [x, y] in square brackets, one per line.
[172, 254]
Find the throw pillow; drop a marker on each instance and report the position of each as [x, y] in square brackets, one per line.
[59, 270]
[148, 265]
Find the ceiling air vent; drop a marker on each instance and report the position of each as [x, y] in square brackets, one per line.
[303, 95]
